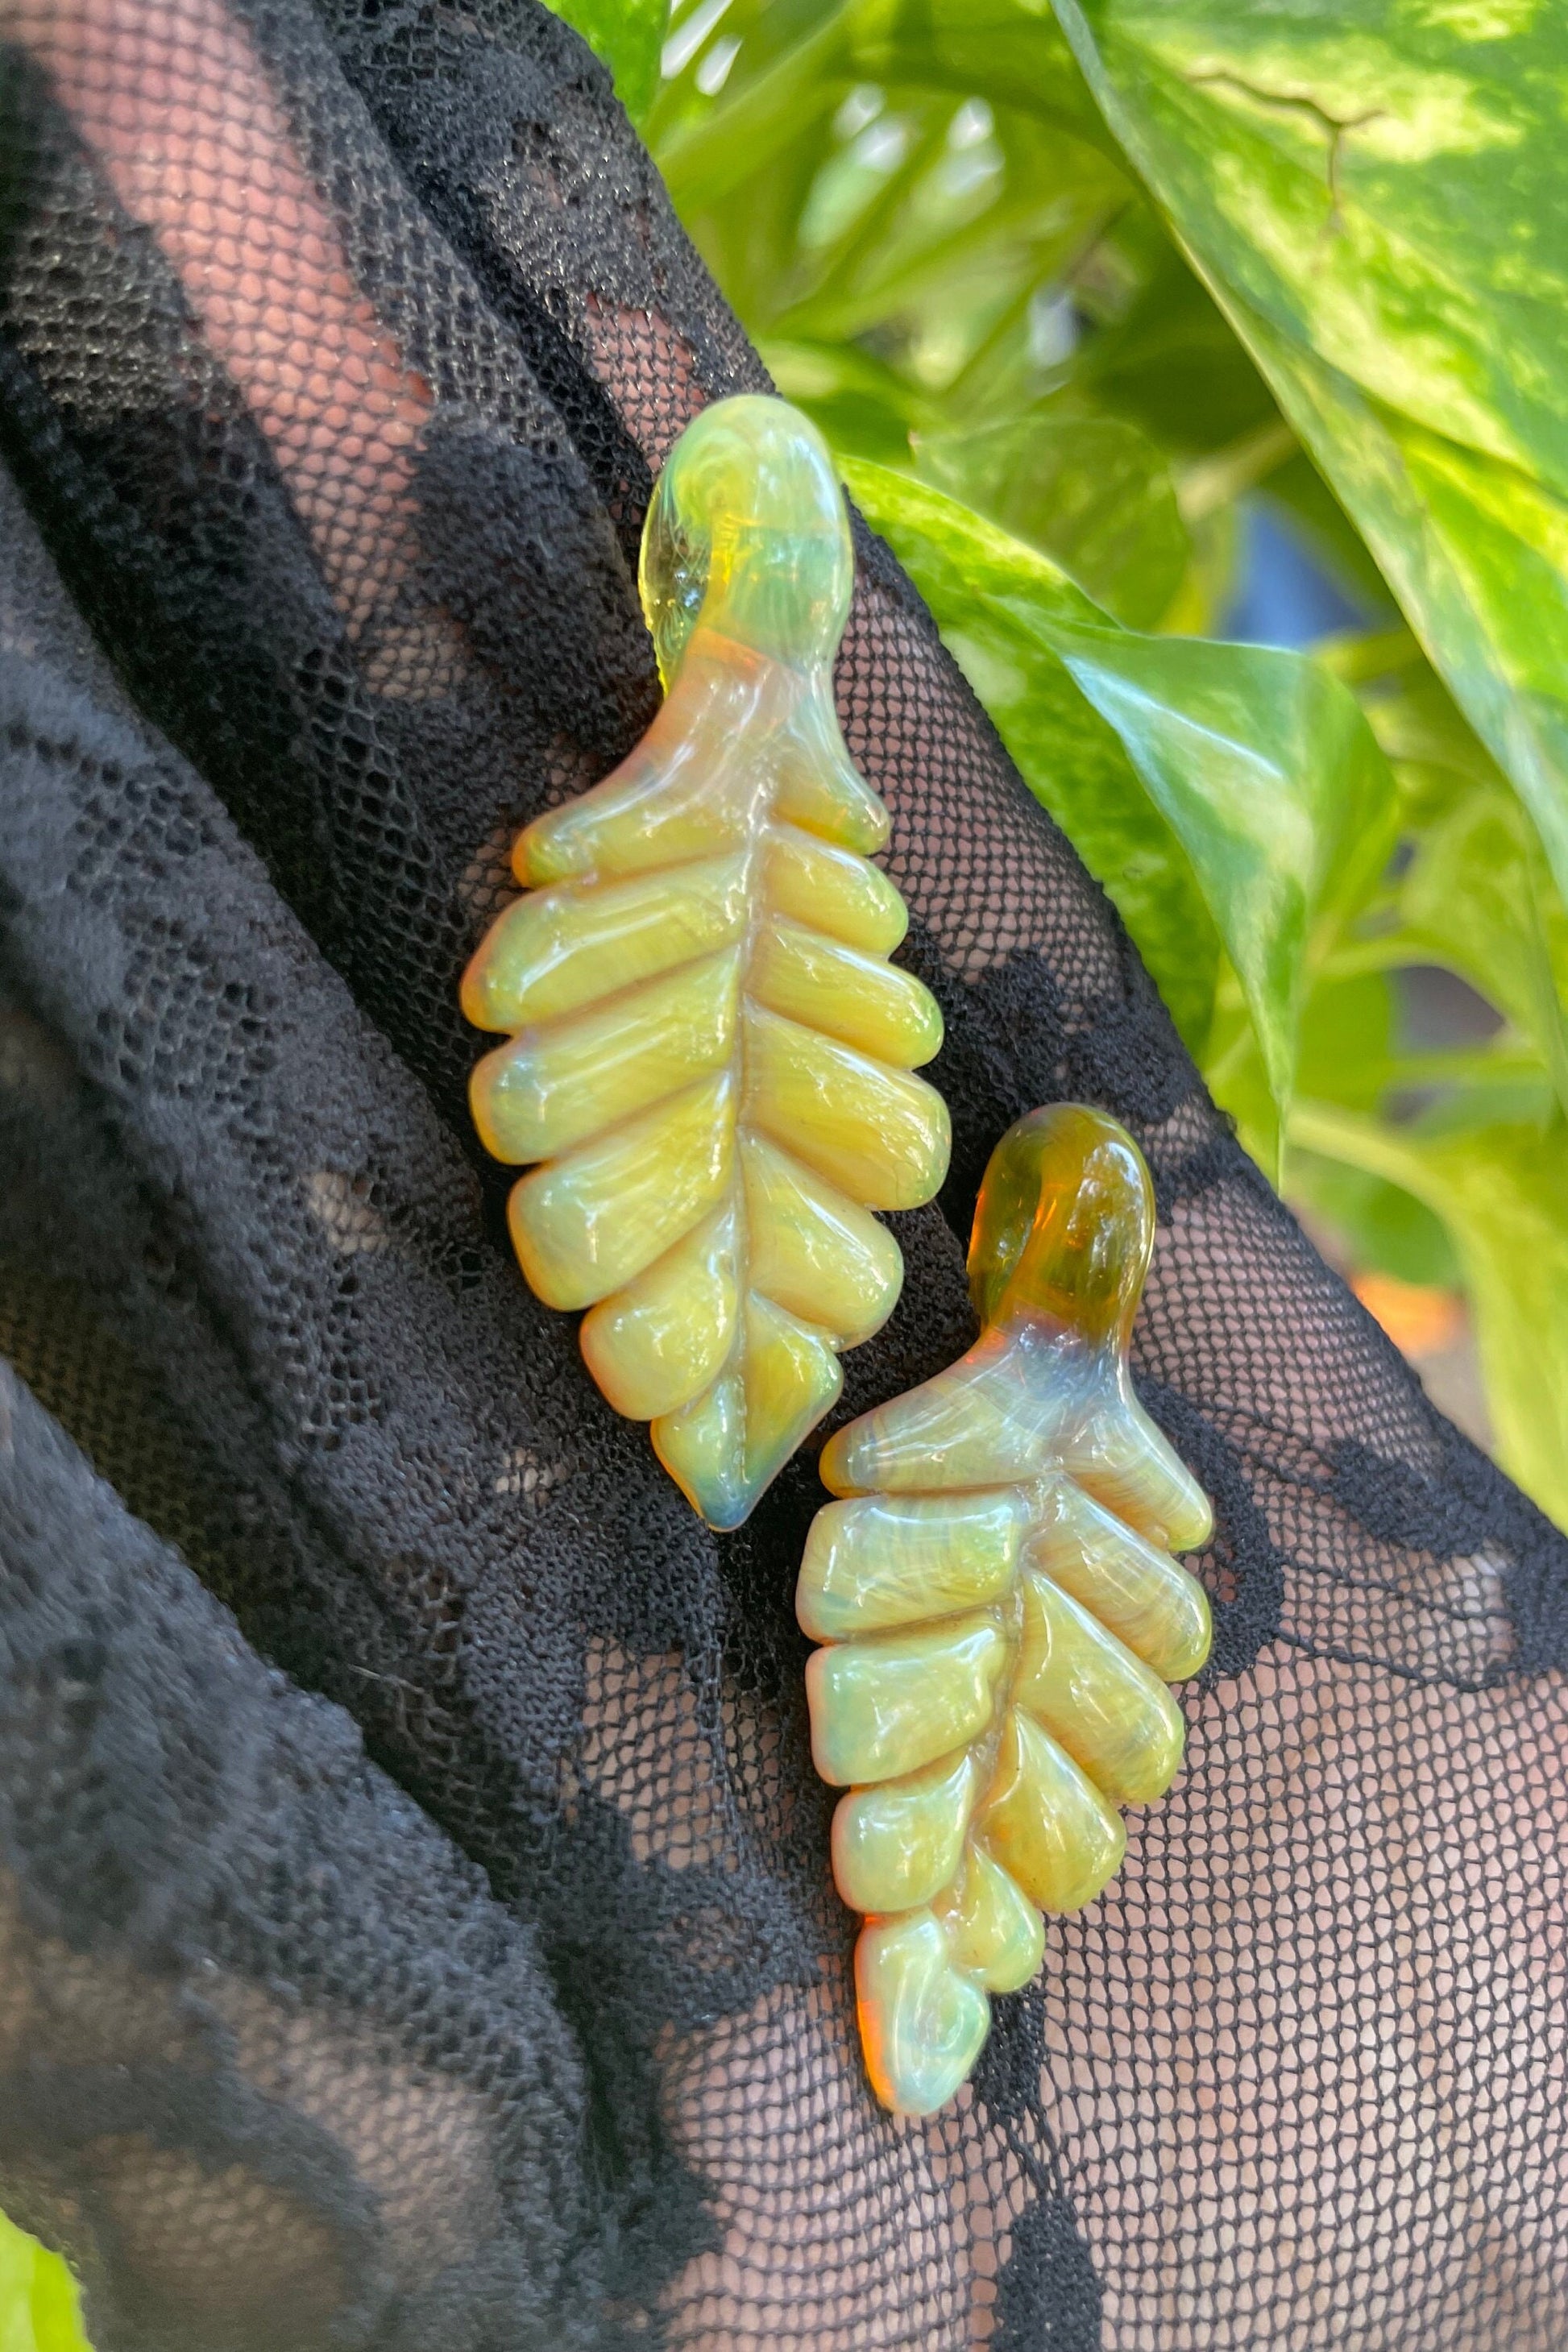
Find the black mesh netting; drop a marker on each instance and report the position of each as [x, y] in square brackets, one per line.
[338, 338]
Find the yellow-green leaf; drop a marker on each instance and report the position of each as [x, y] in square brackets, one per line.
[1502, 1194]
[627, 36]
[1377, 194]
[1228, 790]
[1091, 492]
[40, 2310]
[1475, 896]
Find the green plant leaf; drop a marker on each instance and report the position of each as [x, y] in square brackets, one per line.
[1376, 192]
[1272, 791]
[1475, 896]
[1091, 492]
[980, 205]
[627, 36]
[1269, 777]
[1379, 1225]
[1347, 1039]
[1502, 1194]
[977, 580]
[1171, 362]
[1007, 51]
[39, 2307]
[853, 178]
[1296, 486]
[861, 405]
[1345, 1054]
[797, 64]
[799, 59]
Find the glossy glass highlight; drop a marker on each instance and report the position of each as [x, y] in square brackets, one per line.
[1001, 1612]
[710, 1057]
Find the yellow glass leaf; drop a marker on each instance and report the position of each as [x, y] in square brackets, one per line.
[874, 1133]
[813, 1252]
[1142, 1594]
[732, 1439]
[885, 1561]
[1115, 1719]
[1047, 1823]
[1000, 1611]
[892, 1703]
[857, 998]
[557, 949]
[833, 891]
[710, 1055]
[586, 1224]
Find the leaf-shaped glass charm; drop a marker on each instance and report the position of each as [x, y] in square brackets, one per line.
[1001, 1612]
[710, 1054]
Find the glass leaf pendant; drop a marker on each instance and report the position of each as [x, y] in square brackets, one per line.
[1000, 1611]
[709, 1057]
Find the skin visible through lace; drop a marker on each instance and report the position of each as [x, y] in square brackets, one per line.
[259, 258]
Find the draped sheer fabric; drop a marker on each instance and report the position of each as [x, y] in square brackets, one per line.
[415, 1917]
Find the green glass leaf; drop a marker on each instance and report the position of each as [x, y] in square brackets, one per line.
[1501, 1193]
[40, 2310]
[1276, 802]
[1091, 492]
[627, 36]
[1376, 190]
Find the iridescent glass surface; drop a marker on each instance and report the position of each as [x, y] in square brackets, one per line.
[1001, 1612]
[709, 1054]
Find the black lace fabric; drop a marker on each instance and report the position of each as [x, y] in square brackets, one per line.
[415, 1926]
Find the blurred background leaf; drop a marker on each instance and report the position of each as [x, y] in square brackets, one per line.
[628, 36]
[1092, 492]
[1377, 193]
[1273, 793]
[39, 2310]
[964, 240]
[1498, 1189]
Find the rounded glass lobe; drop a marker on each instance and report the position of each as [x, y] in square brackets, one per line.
[1064, 1226]
[748, 535]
